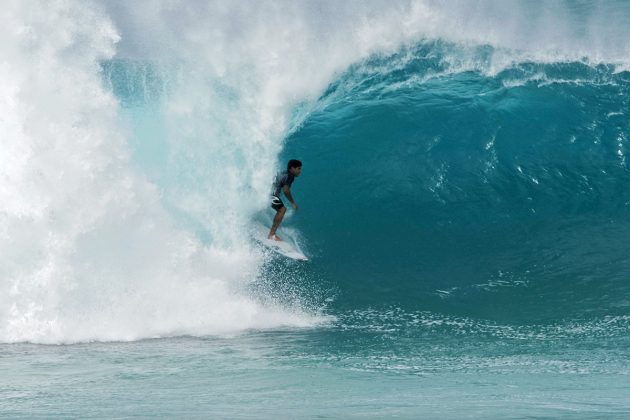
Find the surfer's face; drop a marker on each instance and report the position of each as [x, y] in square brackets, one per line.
[296, 171]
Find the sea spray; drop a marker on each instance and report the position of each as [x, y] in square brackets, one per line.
[89, 251]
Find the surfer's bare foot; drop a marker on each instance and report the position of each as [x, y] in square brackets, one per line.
[274, 238]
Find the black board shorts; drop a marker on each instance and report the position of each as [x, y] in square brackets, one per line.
[276, 203]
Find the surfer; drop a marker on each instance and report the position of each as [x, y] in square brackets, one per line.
[283, 183]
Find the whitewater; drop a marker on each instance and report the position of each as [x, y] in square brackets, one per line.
[463, 204]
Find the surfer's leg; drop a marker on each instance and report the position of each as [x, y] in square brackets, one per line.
[276, 222]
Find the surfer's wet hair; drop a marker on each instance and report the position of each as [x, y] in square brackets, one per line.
[294, 163]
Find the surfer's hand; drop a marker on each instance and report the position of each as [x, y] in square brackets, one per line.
[295, 207]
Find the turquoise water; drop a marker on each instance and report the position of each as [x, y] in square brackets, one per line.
[463, 203]
[373, 367]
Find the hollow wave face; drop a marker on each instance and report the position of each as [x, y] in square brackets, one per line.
[471, 192]
[139, 140]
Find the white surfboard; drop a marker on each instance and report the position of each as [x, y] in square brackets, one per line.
[281, 247]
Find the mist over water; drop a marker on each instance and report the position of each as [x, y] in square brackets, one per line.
[139, 141]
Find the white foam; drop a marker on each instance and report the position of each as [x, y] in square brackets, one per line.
[88, 250]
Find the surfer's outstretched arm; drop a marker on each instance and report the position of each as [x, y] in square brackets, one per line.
[287, 193]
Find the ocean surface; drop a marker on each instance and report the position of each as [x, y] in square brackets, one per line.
[464, 202]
